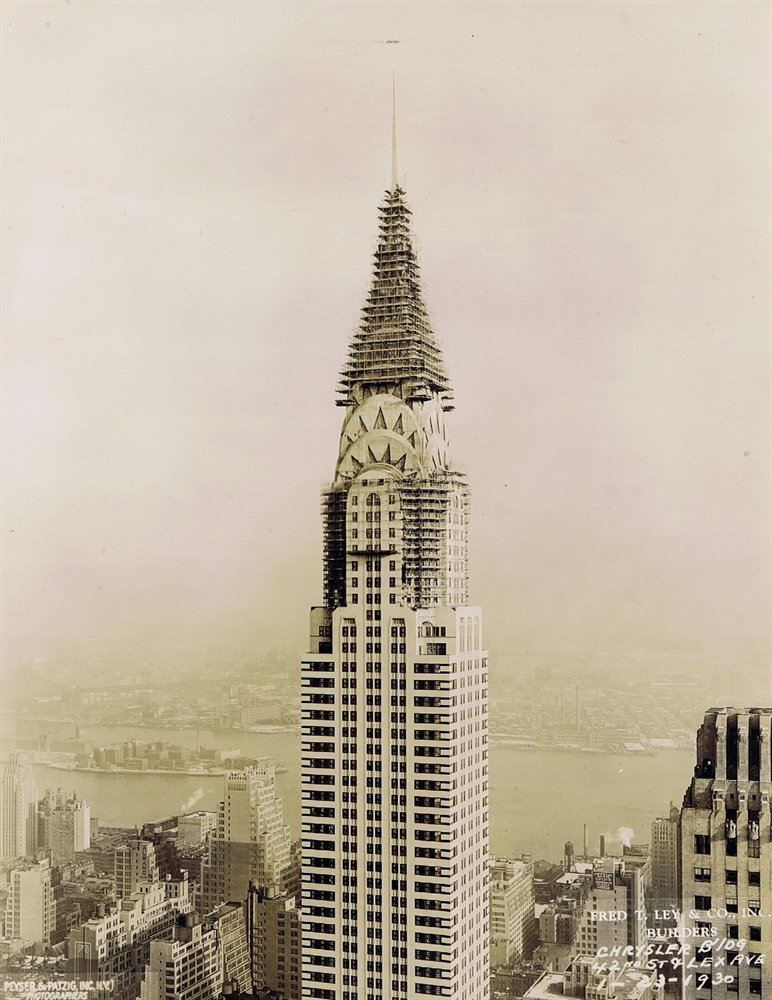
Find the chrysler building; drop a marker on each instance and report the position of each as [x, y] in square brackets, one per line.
[395, 686]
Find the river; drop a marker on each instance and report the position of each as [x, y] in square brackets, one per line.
[538, 798]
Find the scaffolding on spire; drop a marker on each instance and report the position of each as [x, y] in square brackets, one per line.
[395, 344]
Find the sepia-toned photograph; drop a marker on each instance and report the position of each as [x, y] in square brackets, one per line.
[386, 464]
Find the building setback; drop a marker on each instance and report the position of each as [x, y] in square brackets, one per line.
[726, 855]
[395, 687]
[251, 841]
[115, 944]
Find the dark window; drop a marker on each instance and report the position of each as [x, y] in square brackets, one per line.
[701, 843]
[731, 876]
[732, 931]
[754, 878]
[754, 986]
[702, 902]
[702, 874]
[754, 933]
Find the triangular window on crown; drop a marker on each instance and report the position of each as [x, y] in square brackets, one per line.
[380, 421]
[398, 427]
[362, 424]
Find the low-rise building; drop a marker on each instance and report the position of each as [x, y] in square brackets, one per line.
[588, 978]
[115, 944]
[30, 914]
[187, 967]
[614, 912]
[193, 828]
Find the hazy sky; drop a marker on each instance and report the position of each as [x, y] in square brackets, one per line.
[190, 194]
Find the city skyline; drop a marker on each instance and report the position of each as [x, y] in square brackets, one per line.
[571, 251]
[203, 262]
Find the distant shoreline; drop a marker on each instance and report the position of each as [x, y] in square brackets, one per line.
[217, 772]
[187, 727]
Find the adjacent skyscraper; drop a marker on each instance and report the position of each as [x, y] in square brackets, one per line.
[18, 809]
[394, 690]
[251, 841]
[514, 931]
[726, 854]
[664, 860]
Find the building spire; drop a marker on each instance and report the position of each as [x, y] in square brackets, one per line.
[394, 343]
[394, 183]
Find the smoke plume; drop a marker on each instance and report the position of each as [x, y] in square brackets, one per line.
[194, 798]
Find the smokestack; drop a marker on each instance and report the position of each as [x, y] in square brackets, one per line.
[602, 846]
[584, 852]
